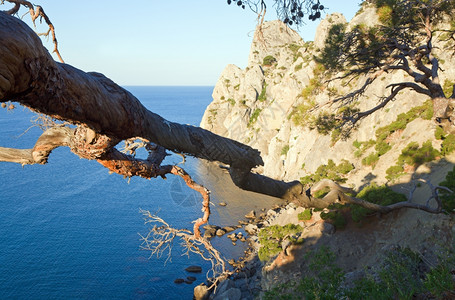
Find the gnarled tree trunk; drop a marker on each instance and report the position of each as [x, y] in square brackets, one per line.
[106, 114]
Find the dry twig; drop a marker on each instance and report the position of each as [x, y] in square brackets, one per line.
[36, 12]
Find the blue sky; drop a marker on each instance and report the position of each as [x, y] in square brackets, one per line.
[149, 42]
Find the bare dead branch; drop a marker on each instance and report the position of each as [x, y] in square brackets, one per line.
[48, 141]
[35, 12]
[161, 237]
[205, 196]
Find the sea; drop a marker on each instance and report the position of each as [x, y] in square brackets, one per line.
[71, 230]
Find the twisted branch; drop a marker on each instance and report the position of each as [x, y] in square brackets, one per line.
[35, 12]
[161, 237]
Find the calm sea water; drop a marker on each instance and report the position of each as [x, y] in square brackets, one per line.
[69, 230]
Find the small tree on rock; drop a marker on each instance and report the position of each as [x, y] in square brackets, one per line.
[402, 42]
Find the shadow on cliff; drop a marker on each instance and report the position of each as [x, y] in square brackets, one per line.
[357, 247]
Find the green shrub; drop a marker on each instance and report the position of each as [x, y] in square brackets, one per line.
[373, 193]
[295, 51]
[254, 117]
[325, 276]
[394, 172]
[331, 51]
[305, 215]
[448, 87]
[447, 198]
[385, 14]
[298, 67]
[414, 155]
[336, 135]
[362, 147]
[270, 239]
[400, 276]
[357, 144]
[268, 60]
[335, 217]
[367, 288]
[331, 171]
[425, 111]
[321, 193]
[439, 281]
[439, 133]
[263, 96]
[382, 148]
[448, 144]
[382, 195]
[313, 88]
[300, 114]
[371, 159]
[344, 167]
[285, 149]
[294, 47]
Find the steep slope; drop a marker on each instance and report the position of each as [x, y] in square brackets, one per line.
[278, 101]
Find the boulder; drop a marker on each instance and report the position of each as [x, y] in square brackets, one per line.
[194, 269]
[201, 292]
[251, 215]
[209, 233]
[220, 232]
[228, 228]
[251, 229]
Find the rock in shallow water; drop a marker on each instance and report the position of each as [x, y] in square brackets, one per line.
[228, 228]
[179, 280]
[194, 269]
[209, 233]
[220, 232]
[251, 229]
[251, 215]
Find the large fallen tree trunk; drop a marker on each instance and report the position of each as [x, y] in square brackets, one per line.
[105, 114]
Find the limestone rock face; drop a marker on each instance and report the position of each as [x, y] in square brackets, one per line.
[323, 28]
[269, 39]
[271, 106]
[367, 16]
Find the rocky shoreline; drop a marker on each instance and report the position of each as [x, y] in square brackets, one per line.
[250, 277]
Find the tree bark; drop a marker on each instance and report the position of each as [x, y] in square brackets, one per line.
[30, 76]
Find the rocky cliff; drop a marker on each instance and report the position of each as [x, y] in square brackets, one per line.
[274, 103]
